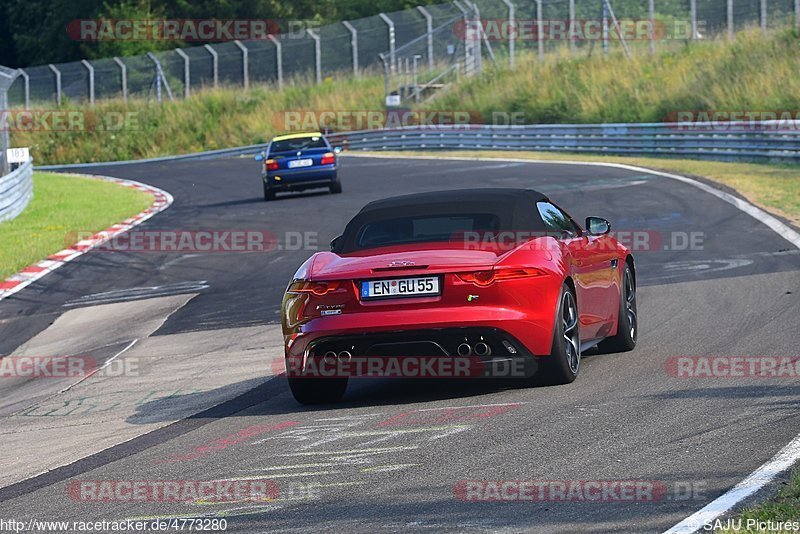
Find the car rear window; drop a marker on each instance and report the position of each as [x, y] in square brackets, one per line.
[423, 229]
[299, 143]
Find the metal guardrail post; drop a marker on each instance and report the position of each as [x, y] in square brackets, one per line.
[57, 74]
[317, 54]
[91, 80]
[730, 19]
[27, 82]
[278, 58]
[214, 64]
[123, 70]
[187, 73]
[354, 44]
[390, 25]
[429, 32]
[245, 63]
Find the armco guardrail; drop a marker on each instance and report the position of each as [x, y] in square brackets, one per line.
[724, 141]
[16, 191]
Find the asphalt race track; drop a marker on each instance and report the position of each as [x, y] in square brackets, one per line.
[394, 455]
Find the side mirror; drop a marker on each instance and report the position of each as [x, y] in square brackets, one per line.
[337, 150]
[597, 226]
[259, 156]
[335, 242]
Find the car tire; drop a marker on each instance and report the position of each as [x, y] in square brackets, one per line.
[336, 187]
[269, 194]
[627, 323]
[563, 363]
[315, 390]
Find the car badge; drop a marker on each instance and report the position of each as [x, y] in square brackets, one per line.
[470, 298]
[401, 263]
[299, 153]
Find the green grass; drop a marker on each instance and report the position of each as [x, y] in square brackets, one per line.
[752, 73]
[775, 188]
[62, 207]
[785, 506]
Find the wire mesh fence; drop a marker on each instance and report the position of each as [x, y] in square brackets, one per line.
[443, 40]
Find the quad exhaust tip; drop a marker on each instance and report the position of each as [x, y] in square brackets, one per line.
[482, 349]
[345, 356]
[329, 357]
[464, 349]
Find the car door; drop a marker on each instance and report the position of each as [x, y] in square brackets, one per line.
[586, 265]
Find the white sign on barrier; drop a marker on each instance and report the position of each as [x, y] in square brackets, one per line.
[18, 155]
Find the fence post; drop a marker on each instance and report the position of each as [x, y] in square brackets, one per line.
[354, 45]
[476, 13]
[572, 44]
[317, 54]
[57, 74]
[4, 137]
[467, 47]
[429, 32]
[763, 16]
[27, 81]
[730, 20]
[160, 78]
[278, 58]
[245, 70]
[417, 57]
[693, 18]
[123, 69]
[91, 80]
[797, 13]
[651, 13]
[390, 24]
[540, 30]
[187, 73]
[214, 64]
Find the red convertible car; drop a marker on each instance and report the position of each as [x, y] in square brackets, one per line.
[487, 276]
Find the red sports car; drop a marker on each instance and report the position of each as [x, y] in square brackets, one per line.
[479, 276]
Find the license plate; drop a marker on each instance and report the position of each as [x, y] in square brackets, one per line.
[301, 163]
[400, 287]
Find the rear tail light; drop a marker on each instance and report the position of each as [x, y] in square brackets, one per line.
[317, 288]
[272, 165]
[489, 277]
[328, 159]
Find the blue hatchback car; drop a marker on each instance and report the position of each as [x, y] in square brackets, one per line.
[299, 161]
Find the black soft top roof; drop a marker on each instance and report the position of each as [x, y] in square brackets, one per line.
[514, 207]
